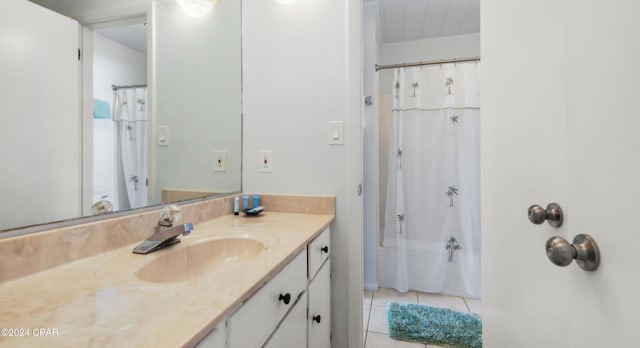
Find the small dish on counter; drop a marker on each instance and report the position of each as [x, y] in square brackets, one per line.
[253, 211]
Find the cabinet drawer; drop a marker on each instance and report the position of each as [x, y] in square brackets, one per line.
[319, 250]
[254, 322]
[319, 321]
[292, 333]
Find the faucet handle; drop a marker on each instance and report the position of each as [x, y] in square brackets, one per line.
[170, 213]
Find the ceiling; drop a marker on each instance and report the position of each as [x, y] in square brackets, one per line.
[133, 36]
[399, 20]
[95, 11]
[122, 21]
[407, 20]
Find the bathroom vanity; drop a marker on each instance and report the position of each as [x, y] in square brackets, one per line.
[236, 281]
[276, 315]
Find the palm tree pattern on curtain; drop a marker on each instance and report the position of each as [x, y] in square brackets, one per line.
[449, 83]
[401, 221]
[415, 86]
[452, 190]
[452, 246]
[142, 103]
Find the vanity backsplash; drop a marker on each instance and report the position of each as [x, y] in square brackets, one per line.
[37, 252]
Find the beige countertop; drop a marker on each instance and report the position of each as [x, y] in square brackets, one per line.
[99, 301]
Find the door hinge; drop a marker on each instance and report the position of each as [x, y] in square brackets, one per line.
[79, 54]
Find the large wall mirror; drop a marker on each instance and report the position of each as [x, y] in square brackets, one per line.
[112, 105]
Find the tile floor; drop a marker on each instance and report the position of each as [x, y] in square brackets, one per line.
[376, 334]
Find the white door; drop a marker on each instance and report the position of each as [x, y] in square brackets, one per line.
[41, 143]
[559, 124]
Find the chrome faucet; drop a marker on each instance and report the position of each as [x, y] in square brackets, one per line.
[165, 233]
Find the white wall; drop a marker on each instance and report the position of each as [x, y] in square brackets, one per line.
[113, 64]
[197, 80]
[41, 142]
[296, 61]
[407, 52]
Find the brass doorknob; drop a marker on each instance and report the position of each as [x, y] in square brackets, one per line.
[553, 214]
[584, 250]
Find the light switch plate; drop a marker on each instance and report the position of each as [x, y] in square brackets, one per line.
[163, 135]
[336, 133]
[265, 162]
[220, 161]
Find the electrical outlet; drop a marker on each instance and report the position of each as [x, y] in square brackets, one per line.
[265, 161]
[220, 164]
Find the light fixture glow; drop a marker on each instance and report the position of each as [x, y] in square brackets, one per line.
[197, 8]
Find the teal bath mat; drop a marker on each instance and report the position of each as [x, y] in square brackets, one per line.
[432, 325]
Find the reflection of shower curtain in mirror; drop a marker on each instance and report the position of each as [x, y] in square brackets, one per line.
[130, 115]
[432, 230]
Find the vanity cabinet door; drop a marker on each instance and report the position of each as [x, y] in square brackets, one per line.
[319, 317]
[217, 338]
[252, 324]
[292, 332]
[319, 250]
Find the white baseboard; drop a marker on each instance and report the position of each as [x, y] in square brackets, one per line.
[371, 287]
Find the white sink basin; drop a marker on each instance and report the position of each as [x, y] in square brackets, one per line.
[180, 264]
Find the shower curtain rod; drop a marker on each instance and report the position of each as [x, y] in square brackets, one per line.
[432, 62]
[115, 88]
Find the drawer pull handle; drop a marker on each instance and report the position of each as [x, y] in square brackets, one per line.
[316, 318]
[325, 249]
[286, 298]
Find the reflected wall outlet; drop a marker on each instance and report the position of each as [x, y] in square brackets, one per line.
[220, 164]
[265, 161]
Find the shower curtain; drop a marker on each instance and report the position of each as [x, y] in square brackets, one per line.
[130, 115]
[432, 221]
